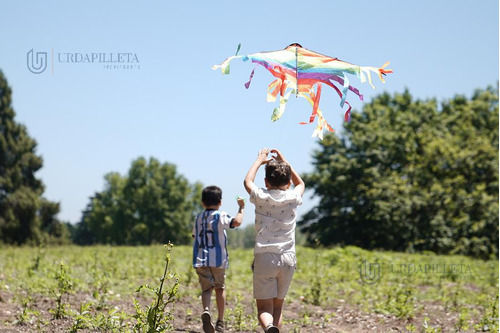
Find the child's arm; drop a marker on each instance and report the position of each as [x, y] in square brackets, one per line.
[299, 184]
[238, 219]
[250, 177]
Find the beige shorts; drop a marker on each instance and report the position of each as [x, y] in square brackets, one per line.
[272, 274]
[211, 277]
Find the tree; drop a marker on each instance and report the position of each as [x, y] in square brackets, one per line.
[408, 176]
[24, 215]
[152, 204]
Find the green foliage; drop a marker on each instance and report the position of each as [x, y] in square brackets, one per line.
[82, 318]
[152, 204]
[27, 312]
[316, 284]
[489, 319]
[242, 237]
[25, 217]
[468, 297]
[409, 176]
[156, 318]
[64, 287]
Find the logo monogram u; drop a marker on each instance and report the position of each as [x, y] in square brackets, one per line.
[37, 63]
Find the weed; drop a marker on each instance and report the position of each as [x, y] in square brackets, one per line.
[489, 320]
[316, 286]
[155, 319]
[463, 319]
[35, 265]
[428, 328]
[82, 318]
[401, 304]
[411, 328]
[239, 321]
[64, 287]
[326, 319]
[112, 321]
[237, 317]
[100, 285]
[26, 314]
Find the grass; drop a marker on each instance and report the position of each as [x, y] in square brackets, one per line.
[94, 287]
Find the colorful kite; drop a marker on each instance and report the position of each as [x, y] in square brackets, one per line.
[299, 70]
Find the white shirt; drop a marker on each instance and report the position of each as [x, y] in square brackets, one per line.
[275, 219]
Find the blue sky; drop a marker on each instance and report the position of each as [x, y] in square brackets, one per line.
[89, 119]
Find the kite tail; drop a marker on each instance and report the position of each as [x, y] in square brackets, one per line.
[382, 71]
[347, 114]
[322, 125]
[379, 71]
[278, 112]
[247, 85]
[224, 67]
[314, 101]
[344, 91]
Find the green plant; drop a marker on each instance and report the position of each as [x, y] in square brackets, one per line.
[64, 287]
[428, 328]
[111, 321]
[463, 319]
[82, 318]
[316, 287]
[100, 284]
[401, 304]
[35, 265]
[155, 319]
[27, 313]
[489, 320]
[238, 315]
[411, 327]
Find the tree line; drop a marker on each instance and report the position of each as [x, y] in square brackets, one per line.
[404, 175]
[411, 175]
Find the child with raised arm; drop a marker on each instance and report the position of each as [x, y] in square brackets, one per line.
[210, 257]
[275, 217]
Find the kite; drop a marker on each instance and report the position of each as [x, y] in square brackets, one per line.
[302, 72]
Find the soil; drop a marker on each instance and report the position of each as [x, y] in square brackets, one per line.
[298, 317]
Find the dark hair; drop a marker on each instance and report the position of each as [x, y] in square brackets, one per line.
[211, 195]
[278, 173]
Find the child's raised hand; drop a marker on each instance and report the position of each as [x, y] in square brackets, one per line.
[262, 156]
[241, 201]
[279, 156]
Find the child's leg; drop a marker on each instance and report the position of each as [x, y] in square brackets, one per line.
[277, 308]
[265, 312]
[206, 297]
[220, 297]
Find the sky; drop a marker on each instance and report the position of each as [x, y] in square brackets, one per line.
[164, 100]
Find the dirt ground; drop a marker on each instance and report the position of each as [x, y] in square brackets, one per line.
[298, 317]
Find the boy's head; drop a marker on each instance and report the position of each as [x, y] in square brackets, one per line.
[278, 174]
[211, 196]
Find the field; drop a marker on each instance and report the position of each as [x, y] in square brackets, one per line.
[92, 289]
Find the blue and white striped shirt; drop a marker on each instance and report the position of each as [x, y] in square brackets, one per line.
[210, 239]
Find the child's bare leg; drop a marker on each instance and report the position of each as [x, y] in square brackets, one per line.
[277, 308]
[205, 298]
[220, 297]
[265, 312]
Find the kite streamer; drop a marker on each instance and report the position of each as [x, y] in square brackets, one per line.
[301, 71]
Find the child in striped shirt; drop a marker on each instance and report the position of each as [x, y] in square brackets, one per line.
[210, 257]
